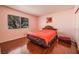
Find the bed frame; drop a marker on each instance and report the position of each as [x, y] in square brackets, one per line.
[49, 27]
[38, 41]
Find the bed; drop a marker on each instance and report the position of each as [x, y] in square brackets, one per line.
[44, 38]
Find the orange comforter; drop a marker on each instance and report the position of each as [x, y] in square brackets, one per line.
[46, 35]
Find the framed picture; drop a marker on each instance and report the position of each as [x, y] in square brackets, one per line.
[24, 22]
[13, 22]
[49, 19]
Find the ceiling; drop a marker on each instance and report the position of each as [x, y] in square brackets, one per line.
[39, 10]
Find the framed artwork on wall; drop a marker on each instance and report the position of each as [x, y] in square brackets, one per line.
[49, 19]
[13, 22]
[24, 22]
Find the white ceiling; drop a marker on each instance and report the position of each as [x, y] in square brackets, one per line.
[39, 10]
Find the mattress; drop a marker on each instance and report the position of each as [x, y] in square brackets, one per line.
[43, 37]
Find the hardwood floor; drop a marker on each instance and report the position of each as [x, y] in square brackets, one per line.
[8, 46]
[56, 48]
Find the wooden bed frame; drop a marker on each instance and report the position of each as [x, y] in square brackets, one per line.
[49, 27]
[32, 38]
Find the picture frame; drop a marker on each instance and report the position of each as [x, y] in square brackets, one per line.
[13, 22]
[49, 19]
[16, 22]
[24, 22]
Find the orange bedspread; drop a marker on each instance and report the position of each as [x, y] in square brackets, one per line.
[46, 35]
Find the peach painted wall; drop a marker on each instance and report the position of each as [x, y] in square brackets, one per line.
[10, 34]
[64, 21]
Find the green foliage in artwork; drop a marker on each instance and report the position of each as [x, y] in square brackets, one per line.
[15, 22]
[24, 22]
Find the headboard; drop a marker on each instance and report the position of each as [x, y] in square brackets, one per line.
[49, 27]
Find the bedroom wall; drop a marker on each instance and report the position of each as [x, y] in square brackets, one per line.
[10, 34]
[77, 25]
[64, 21]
